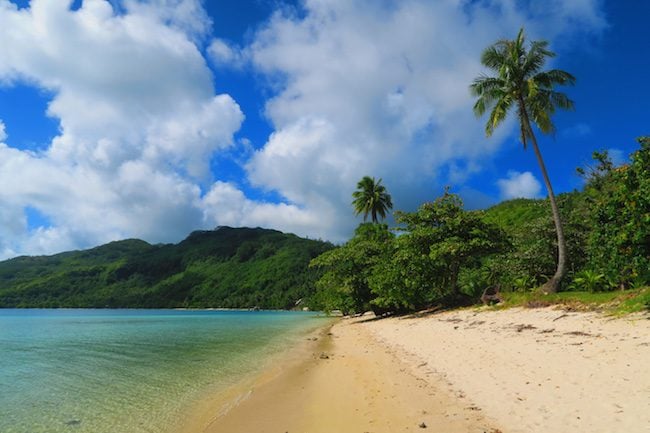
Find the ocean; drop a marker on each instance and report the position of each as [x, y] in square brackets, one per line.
[128, 371]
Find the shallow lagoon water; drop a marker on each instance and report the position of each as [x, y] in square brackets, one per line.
[127, 371]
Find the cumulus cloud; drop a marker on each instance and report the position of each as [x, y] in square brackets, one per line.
[519, 185]
[139, 121]
[225, 204]
[378, 88]
[223, 54]
[3, 134]
[358, 87]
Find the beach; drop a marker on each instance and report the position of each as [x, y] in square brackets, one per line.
[473, 370]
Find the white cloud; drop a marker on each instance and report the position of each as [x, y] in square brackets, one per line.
[519, 185]
[139, 122]
[225, 204]
[373, 88]
[223, 54]
[186, 15]
[359, 87]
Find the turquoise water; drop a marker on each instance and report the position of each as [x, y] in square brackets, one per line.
[127, 371]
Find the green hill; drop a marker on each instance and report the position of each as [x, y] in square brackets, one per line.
[227, 267]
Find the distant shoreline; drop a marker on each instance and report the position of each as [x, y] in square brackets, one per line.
[161, 309]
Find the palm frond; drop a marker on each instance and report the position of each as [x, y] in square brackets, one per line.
[488, 90]
[534, 60]
[518, 78]
[371, 198]
[561, 100]
[492, 57]
[484, 84]
[498, 114]
[555, 77]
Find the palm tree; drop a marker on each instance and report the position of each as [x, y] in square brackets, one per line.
[371, 198]
[519, 82]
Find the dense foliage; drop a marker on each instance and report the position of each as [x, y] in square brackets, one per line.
[444, 252]
[345, 283]
[228, 267]
[619, 244]
[415, 269]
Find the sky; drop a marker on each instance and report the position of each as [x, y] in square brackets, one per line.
[153, 118]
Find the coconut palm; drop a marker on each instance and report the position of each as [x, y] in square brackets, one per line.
[519, 83]
[371, 198]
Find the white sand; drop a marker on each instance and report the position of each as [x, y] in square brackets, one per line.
[541, 370]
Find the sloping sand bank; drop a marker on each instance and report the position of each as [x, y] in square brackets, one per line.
[466, 371]
[347, 383]
[541, 370]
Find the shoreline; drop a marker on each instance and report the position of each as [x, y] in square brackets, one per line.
[341, 382]
[219, 402]
[474, 370]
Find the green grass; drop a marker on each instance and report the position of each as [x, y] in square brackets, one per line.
[616, 302]
[517, 212]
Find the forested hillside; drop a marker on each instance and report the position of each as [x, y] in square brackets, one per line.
[227, 267]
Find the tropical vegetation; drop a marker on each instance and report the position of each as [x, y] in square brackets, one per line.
[445, 255]
[519, 83]
[592, 244]
[371, 197]
[227, 267]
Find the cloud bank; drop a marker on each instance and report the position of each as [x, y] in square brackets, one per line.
[381, 89]
[357, 87]
[139, 121]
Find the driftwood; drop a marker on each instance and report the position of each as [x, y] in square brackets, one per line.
[491, 295]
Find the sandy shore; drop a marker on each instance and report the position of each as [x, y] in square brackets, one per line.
[467, 371]
[343, 381]
[542, 370]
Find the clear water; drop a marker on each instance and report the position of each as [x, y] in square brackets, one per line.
[127, 371]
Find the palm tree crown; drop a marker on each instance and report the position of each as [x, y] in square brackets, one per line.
[519, 82]
[371, 198]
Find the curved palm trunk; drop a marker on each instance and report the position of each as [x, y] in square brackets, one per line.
[552, 285]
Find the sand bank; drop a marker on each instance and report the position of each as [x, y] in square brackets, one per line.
[542, 370]
[466, 371]
[345, 382]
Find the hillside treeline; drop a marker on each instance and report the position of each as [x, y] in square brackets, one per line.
[227, 267]
[443, 254]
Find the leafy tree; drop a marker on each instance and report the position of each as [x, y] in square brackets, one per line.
[371, 197]
[619, 244]
[519, 82]
[440, 239]
[345, 283]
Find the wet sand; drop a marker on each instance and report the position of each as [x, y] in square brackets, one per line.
[464, 371]
[346, 382]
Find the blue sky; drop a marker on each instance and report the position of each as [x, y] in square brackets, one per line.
[154, 118]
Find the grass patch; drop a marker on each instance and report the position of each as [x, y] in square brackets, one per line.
[617, 302]
[634, 304]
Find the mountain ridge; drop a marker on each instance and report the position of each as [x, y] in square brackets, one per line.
[226, 267]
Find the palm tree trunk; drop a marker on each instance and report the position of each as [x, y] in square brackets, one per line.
[552, 285]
